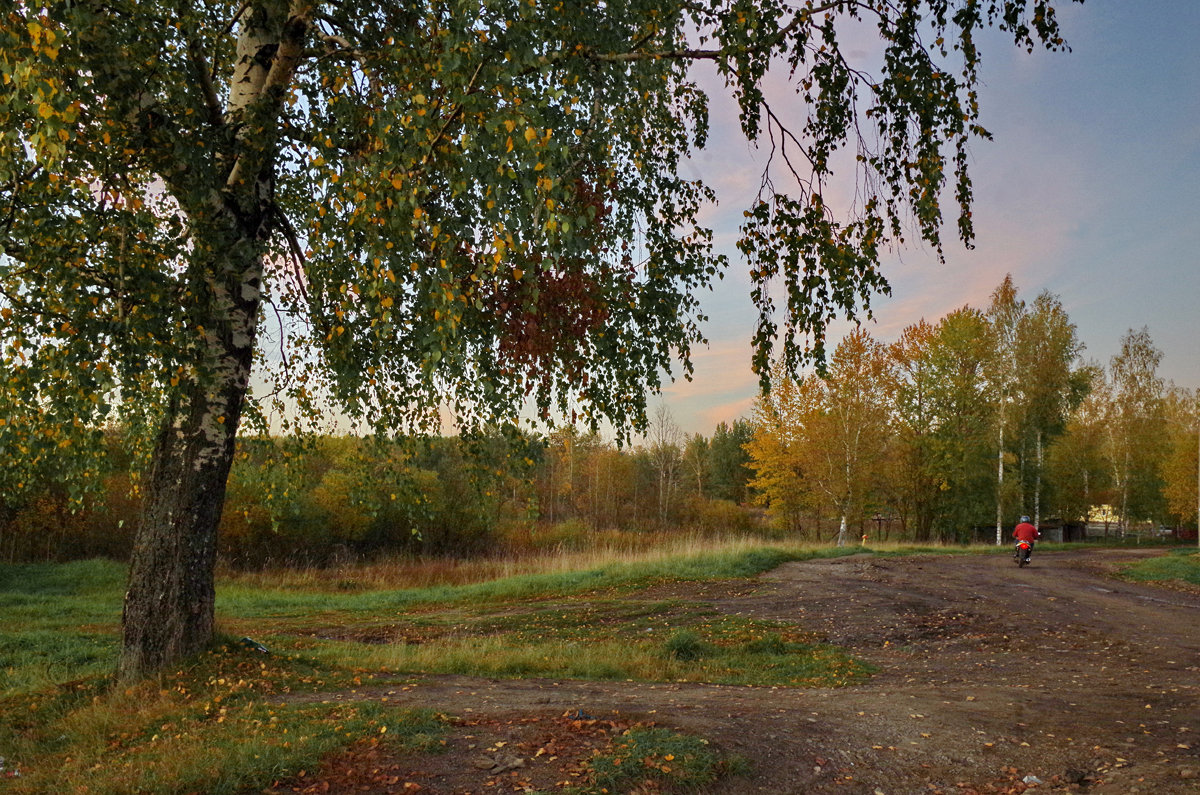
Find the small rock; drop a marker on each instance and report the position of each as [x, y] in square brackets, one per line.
[1187, 772]
[1074, 776]
[508, 763]
[1032, 780]
[484, 762]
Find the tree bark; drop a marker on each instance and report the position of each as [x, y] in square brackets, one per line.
[1000, 482]
[1037, 484]
[168, 611]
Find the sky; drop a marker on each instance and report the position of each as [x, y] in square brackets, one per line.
[1090, 189]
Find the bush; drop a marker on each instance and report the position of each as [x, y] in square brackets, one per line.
[715, 517]
[686, 645]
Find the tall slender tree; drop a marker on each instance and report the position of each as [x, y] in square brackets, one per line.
[1006, 314]
[1051, 384]
[1135, 425]
[845, 442]
[915, 423]
[664, 444]
[964, 410]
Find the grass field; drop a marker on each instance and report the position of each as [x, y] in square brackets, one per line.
[1181, 565]
[229, 720]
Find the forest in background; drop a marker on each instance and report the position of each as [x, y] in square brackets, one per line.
[949, 431]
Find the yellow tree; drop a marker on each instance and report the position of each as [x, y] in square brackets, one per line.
[1181, 469]
[845, 438]
[915, 421]
[778, 423]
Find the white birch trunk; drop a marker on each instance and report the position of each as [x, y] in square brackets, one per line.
[1037, 484]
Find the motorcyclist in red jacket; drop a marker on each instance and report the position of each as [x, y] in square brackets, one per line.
[1024, 531]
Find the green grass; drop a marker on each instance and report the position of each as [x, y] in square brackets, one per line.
[1182, 565]
[645, 757]
[60, 622]
[231, 720]
[220, 724]
[725, 650]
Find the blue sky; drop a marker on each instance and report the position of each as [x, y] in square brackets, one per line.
[1090, 190]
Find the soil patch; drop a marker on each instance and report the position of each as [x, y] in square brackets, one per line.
[988, 676]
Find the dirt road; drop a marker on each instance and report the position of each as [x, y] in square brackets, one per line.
[987, 674]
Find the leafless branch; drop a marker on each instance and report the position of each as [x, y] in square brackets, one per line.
[236, 17]
[204, 73]
[293, 241]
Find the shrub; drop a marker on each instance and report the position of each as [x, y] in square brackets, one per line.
[686, 645]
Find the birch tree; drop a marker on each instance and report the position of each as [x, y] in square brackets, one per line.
[1135, 428]
[664, 446]
[1051, 384]
[846, 439]
[915, 422]
[1005, 313]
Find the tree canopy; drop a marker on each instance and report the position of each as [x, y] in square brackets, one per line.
[395, 206]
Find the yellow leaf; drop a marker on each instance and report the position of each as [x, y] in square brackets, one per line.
[397, 182]
[530, 134]
[518, 273]
[508, 145]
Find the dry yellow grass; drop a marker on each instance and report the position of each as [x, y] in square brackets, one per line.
[415, 572]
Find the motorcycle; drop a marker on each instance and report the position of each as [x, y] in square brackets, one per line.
[1023, 553]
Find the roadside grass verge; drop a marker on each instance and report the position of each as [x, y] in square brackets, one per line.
[1181, 565]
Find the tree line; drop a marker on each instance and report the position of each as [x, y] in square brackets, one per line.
[315, 499]
[948, 433]
[957, 428]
